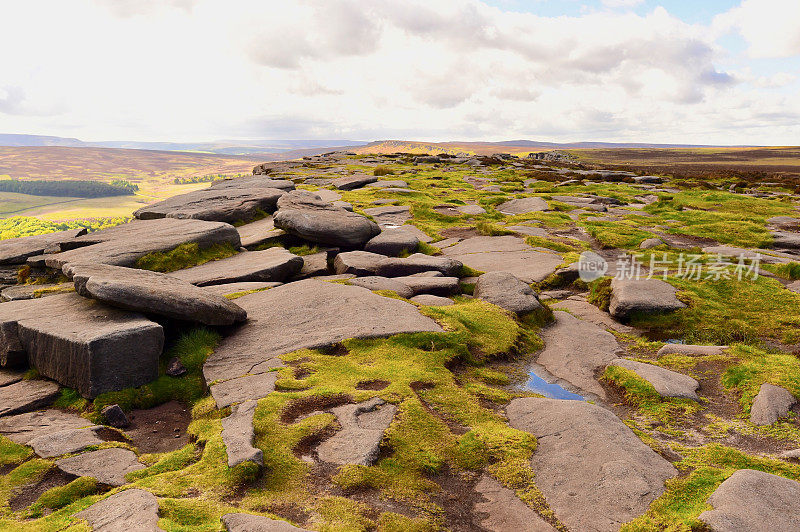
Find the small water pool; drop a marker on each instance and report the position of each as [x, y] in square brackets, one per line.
[553, 391]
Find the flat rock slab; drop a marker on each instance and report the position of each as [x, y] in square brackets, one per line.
[270, 265]
[506, 291]
[437, 286]
[687, 349]
[390, 215]
[392, 242]
[124, 244]
[81, 343]
[387, 183]
[107, 466]
[308, 314]
[358, 441]
[238, 435]
[580, 308]
[522, 206]
[24, 396]
[247, 388]
[375, 282]
[17, 250]
[8, 376]
[253, 181]
[430, 300]
[23, 428]
[505, 254]
[353, 182]
[750, 254]
[258, 232]
[32, 291]
[574, 350]
[592, 469]
[65, 441]
[666, 382]
[754, 501]
[304, 215]
[214, 204]
[418, 263]
[771, 404]
[256, 523]
[151, 292]
[234, 288]
[129, 510]
[503, 511]
[527, 230]
[642, 295]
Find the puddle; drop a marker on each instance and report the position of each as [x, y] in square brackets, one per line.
[553, 391]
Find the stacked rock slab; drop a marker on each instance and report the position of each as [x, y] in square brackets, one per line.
[124, 244]
[17, 250]
[151, 292]
[269, 265]
[505, 254]
[214, 204]
[247, 182]
[81, 343]
[612, 476]
[304, 215]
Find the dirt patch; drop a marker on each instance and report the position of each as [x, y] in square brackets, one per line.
[374, 384]
[306, 405]
[459, 232]
[335, 350]
[457, 498]
[24, 496]
[160, 429]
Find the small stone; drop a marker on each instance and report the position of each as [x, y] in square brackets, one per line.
[686, 349]
[175, 368]
[247, 388]
[771, 404]
[115, 416]
[650, 243]
[417, 263]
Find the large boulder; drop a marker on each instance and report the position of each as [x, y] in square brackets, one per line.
[151, 292]
[81, 343]
[357, 262]
[17, 250]
[666, 382]
[575, 350]
[270, 265]
[66, 441]
[392, 242]
[435, 285]
[307, 314]
[214, 204]
[124, 244]
[593, 471]
[754, 501]
[132, 510]
[505, 254]
[308, 217]
[390, 215]
[771, 404]
[642, 295]
[506, 291]
[418, 263]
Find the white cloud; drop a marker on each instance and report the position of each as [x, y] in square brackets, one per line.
[428, 69]
[622, 3]
[770, 27]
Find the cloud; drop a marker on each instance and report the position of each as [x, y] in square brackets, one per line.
[622, 3]
[770, 27]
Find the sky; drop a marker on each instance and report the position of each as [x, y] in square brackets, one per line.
[698, 72]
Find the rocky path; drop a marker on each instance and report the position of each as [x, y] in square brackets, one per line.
[344, 350]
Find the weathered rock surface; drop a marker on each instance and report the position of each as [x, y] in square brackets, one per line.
[234, 288]
[24, 396]
[471, 210]
[250, 182]
[363, 425]
[786, 240]
[8, 376]
[151, 292]
[256, 523]
[687, 349]
[312, 314]
[523, 205]
[666, 382]
[771, 403]
[505, 254]
[23, 428]
[65, 441]
[582, 309]
[506, 291]
[243, 389]
[259, 232]
[310, 218]
[107, 466]
[238, 435]
[392, 242]
[642, 295]
[354, 181]
[503, 511]
[418, 263]
[124, 244]
[374, 282]
[17, 250]
[390, 215]
[431, 300]
[650, 243]
[31, 291]
[357, 262]
[81, 343]
[754, 501]
[575, 349]
[214, 204]
[594, 472]
[387, 183]
[438, 285]
[270, 265]
[132, 510]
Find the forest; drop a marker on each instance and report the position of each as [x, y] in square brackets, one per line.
[69, 188]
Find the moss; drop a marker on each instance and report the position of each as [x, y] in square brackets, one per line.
[305, 249]
[789, 270]
[616, 234]
[757, 366]
[61, 496]
[13, 453]
[184, 256]
[600, 293]
[428, 249]
[491, 229]
[382, 170]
